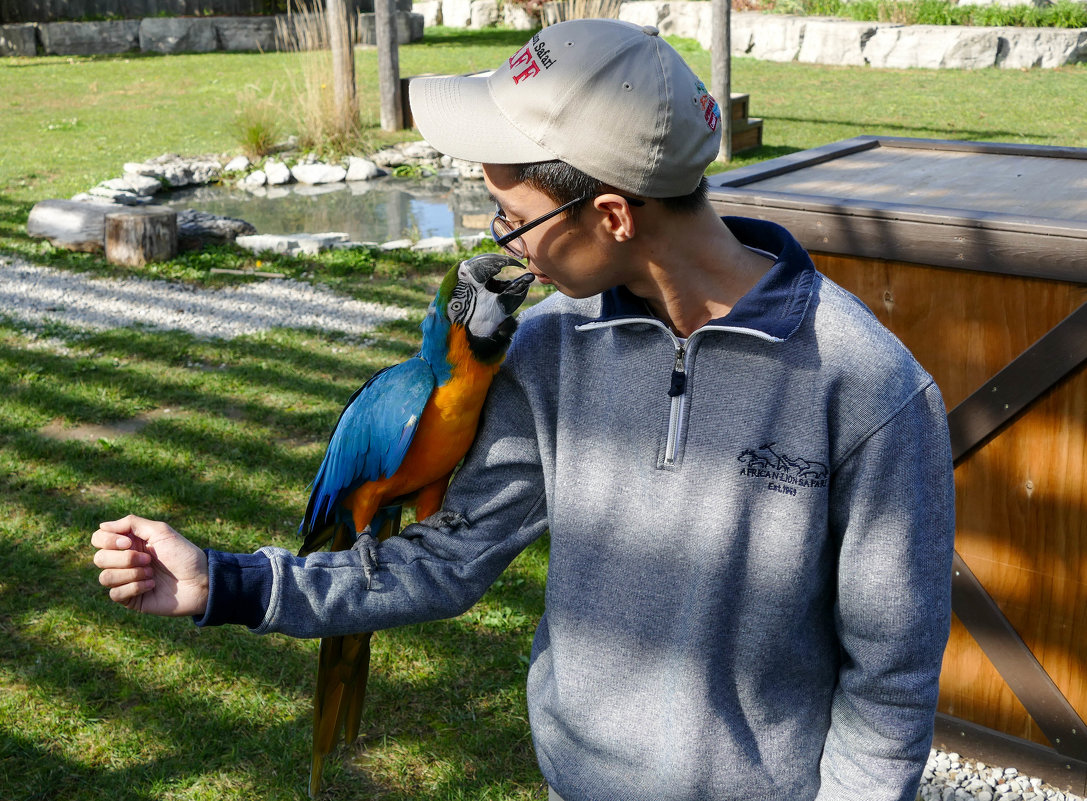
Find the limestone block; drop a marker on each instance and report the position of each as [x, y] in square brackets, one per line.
[517, 17]
[769, 37]
[90, 38]
[121, 197]
[686, 19]
[837, 41]
[415, 27]
[457, 13]
[134, 183]
[177, 171]
[933, 46]
[255, 179]
[644, 12]
[198, 229]
[246, 33]
[484, 13]
[291, 244]
[367, 6]
[1042, 47]
[409, 28]
[318, 173]
[359, 169]
[277, 173]
[178, 35]
[431, 11]
[237, 164]
[19, 39]
[70, 224]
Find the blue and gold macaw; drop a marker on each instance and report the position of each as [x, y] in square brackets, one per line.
[397, 443]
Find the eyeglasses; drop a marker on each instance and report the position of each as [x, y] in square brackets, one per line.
[507, 237]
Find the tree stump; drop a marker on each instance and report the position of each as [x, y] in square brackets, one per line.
[140, 235]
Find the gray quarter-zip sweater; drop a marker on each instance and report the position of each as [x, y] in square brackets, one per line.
[748, 592]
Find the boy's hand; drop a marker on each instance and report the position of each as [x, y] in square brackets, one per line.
[151, 568]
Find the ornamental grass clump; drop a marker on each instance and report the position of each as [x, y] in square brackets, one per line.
[321, 127]
[258, 122]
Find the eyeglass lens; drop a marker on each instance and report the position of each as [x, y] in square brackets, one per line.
[500, 228]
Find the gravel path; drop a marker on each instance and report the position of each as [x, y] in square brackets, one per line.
[36, 294]
[39, 294]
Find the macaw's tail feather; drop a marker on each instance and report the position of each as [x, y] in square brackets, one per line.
[342, 669]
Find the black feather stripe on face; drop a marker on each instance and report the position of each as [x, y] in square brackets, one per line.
[462, 303]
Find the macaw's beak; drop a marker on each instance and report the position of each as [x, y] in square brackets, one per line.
[514, 292]
[485, 269]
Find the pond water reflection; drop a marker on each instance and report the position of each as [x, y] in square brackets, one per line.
[368, 211]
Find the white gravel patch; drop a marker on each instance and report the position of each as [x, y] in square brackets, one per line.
[950, 777]
[36, 294]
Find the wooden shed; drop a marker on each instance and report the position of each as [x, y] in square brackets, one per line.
[975, 256]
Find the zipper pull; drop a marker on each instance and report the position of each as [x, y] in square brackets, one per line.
[679, 375]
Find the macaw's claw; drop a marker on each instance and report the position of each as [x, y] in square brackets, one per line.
[367, 548]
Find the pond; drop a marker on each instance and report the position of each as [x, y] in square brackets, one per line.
[368, 211]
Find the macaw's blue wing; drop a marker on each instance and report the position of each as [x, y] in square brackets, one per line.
[371, 437]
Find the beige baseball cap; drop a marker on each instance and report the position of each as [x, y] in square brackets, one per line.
[610, 98]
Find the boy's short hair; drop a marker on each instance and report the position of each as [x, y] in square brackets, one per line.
[563, 183]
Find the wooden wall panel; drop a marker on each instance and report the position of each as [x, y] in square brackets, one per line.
[963, 326]
[1022, 496]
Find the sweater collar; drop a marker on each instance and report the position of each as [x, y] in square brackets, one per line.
[774, 307]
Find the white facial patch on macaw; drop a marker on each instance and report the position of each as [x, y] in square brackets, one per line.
[474, 306]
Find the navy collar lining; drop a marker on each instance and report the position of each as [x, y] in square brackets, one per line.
[775, 306]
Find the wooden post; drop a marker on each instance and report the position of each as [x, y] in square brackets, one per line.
[388, 65]
[140, 235]
[341, 40]
[721, 72]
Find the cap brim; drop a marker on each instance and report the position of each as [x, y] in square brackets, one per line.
[457, 115]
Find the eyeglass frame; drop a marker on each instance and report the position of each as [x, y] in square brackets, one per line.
[516, 233]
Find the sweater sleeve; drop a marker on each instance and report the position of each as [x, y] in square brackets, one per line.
[435, 569]
[892, 511]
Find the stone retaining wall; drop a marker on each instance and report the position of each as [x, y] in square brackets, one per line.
[770, 37]
[170, 35]
[814, 40]
[821, 40]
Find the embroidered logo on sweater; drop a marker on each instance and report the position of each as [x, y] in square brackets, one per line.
[783, 473]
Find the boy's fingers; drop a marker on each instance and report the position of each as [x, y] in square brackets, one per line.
[107, 558]
[127, 592]
[115, 577]
[110, 541]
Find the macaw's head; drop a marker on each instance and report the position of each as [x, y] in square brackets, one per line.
[475, 299]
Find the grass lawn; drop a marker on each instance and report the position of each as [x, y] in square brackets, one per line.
[223, 437]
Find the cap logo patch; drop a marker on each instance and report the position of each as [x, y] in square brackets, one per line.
[528, 61]
[709, 106]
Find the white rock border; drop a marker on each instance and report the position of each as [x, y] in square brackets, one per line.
[143, 180]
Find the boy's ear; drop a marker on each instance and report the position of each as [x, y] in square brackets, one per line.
[617, 218]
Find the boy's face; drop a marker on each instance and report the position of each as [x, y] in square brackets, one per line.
[573, 256]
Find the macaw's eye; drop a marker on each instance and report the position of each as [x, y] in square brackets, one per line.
[456, 305]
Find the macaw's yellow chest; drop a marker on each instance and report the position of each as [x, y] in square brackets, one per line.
[449, 421]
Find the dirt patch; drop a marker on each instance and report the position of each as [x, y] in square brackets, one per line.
[92, 432]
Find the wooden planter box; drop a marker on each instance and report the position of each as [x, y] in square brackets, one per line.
[975, 255]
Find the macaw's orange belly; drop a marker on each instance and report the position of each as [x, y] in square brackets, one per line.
[446, 430]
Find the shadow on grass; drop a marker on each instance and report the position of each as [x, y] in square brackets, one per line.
[238, 711]
[106, 704]
[484, 36]
[930, 132]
